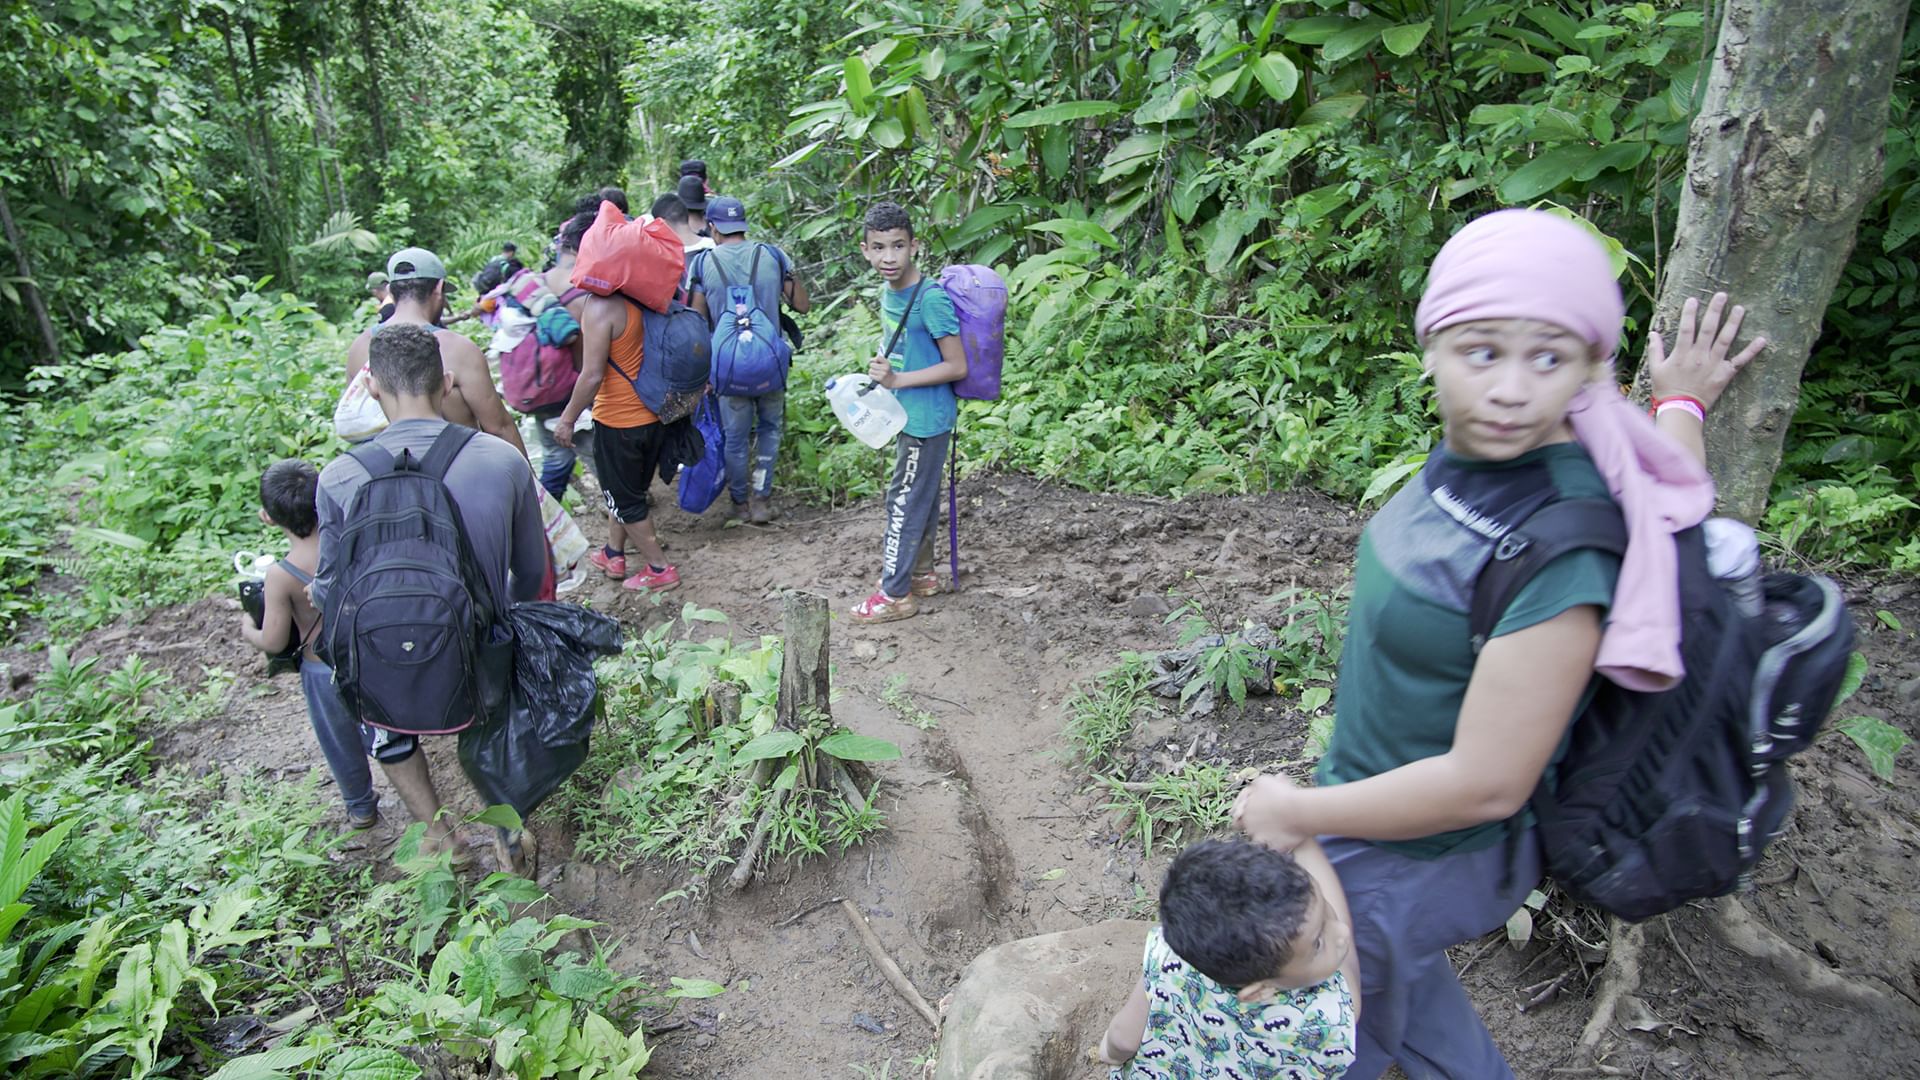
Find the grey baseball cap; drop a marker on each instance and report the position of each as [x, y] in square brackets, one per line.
[415, 264]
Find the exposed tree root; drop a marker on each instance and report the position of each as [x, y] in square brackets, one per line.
[1805, 973]
[1625, 942]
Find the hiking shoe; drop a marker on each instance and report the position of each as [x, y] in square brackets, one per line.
[658, 580]
[927, 584]
[614, 566]
[737, 514]
[881, 608]
[368, 820]
[760, 509]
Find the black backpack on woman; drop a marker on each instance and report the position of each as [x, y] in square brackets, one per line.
[1667, 797]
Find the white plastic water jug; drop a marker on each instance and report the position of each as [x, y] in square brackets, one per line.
[868, 409]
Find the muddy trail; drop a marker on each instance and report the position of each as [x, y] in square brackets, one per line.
[993, 834]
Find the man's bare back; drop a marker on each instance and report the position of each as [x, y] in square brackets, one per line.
[472, 400]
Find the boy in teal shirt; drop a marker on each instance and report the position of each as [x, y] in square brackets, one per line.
[920, 360]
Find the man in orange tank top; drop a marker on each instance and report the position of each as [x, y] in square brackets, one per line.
[627, 439]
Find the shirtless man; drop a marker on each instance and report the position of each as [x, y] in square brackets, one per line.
[417, 279]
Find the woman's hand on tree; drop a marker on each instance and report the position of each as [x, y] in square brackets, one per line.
[1264, 811]
[1700, 366]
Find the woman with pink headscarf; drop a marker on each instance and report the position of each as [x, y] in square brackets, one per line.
[1421, 798]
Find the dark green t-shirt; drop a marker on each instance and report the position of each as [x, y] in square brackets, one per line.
[1407, 659]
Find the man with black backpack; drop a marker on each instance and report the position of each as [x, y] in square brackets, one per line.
[733, 286]
[428, 533]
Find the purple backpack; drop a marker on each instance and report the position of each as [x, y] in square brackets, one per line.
[980, 300]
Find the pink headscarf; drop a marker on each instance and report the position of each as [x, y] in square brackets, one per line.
[1529, 264]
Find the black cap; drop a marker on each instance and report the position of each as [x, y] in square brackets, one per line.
[693, 192]
[694, 167]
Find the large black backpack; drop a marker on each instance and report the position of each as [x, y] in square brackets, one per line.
[1671, 796]
[416, 639]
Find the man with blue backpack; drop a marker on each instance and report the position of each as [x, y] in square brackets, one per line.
[739, 286]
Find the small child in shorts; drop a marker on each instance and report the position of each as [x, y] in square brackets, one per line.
[1251, 973]
[287, 492]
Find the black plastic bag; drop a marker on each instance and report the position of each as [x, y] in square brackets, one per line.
[521, 757]
[553, 682]
[507, 762]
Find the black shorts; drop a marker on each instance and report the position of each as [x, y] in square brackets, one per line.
[626, 459]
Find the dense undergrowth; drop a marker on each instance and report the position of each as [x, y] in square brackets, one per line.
[156, 923]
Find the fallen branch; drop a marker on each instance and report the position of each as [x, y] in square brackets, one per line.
[806, 911]
[743, 872]
[1625, 943]
[888, 968]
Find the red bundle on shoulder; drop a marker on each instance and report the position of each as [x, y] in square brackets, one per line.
[641, 260]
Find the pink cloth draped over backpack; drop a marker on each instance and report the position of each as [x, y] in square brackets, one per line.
[1661, 488]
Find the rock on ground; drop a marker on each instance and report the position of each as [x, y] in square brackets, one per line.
[1030, 1009]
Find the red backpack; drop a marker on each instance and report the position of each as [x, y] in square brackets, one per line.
[543, 367]
[641, 260]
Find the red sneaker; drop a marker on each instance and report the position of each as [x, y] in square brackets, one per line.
[881, 608]
[657, 580]
[614, 567]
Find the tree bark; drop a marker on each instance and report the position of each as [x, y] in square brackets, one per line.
[24, 265]
[1786, 152]
[804, 682]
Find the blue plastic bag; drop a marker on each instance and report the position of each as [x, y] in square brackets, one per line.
[702, 481]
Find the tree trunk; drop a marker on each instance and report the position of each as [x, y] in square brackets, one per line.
[1785, 154]
[48, 338]
[804, 684]
[363, 15]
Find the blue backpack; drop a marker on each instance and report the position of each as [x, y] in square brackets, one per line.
[673, 360]
[750, 357]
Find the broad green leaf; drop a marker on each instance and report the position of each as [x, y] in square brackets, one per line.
[1889, 620]
[1352, 40]
[500, 816]
[369, 1063]
[799, 155]
[888, 132]
[1520, 928]
[1180, 104]
[788, 779]
[859, 84]
[1850, 682]
[1544, 173]
[933, 62]
[1317, 30]
[848, 746]
[1133, 152]
[1333, 110]
[273, 1064]
[1403, 39]
[1056, 151]
[1844, 448]
[1062, 112]
[1277, 76]
[1077, 231]
[773, 744]
[695, 988]
[1222, 83]
[1624, 156]
[1315, 698]
[1877, 739]
[1388, 478]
